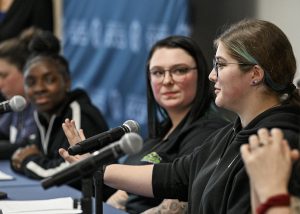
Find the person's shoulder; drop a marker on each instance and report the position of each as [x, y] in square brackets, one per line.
[89, 112]
[78, 94]
[203, 131]
[79, 99]
[82, 98]
[212, 122]
[214, 118]
[286, 117]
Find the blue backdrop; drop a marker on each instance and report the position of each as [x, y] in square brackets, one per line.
[107, 42]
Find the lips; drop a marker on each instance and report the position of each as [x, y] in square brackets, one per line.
[41, 100]
[217, 90]
[170, 93]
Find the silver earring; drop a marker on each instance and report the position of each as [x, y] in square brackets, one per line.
[254, 82]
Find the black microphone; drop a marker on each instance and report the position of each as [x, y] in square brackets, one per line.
[100, 140]
[16, 103]
[130, 143]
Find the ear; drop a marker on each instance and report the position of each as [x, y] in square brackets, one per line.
[257, 75]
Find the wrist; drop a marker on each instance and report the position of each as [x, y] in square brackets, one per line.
[264, 195]
[277, 200]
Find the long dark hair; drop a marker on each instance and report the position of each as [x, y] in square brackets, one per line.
[156, 114]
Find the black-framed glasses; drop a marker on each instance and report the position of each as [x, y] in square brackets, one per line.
[217, 65]
[178, 74]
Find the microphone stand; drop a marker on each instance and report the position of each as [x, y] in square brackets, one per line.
[87, 194]
[94, 166]
[98, 185]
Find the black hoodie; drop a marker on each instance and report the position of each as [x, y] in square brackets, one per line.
[213, 178]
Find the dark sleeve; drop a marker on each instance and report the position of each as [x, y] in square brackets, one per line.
[42, 14]
[176, 175]
[174, 182]
[7, 149]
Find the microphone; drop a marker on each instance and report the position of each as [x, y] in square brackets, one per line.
[130, 143]
[16, 103]
[98, 141]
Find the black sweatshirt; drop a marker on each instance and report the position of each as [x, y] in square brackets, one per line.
[213, 178]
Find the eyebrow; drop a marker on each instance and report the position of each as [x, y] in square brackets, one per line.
[220, 58]
[178, 64]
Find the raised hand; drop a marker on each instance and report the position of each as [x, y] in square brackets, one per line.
[74, 136]
[266, 157]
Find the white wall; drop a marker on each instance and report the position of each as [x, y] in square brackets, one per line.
[286, 15]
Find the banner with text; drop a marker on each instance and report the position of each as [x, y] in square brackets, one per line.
[107, 43]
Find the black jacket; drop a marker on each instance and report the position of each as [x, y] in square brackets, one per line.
[51, 136]
[213, 178]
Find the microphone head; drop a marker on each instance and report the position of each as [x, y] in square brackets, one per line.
[131, 143]
[132, 125]
[17, 103]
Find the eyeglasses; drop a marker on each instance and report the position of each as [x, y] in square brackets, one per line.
[217, 65]
[178, 74]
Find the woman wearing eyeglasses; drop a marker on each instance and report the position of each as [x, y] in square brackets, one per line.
[180, 111]
[252, 77]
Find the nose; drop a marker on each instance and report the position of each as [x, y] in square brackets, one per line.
[38, 86]
[213, 76]
[167, 78]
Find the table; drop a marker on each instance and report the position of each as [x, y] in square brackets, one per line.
[23, 188]
[19, 180]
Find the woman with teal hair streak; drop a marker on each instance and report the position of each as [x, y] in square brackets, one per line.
[254, 67]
